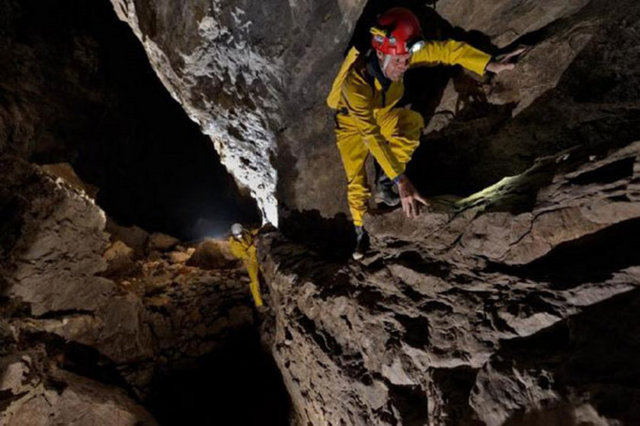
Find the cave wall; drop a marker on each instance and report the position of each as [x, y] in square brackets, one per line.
[90, 327]
[76, 87]
[483, 310]
[255, 78]
[477, 312]
[256, 83]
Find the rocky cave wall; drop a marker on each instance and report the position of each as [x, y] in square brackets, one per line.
[513, 305]
[483, 311]
[76, 87]
[120, 327]
[254, 77]
[473, 313]
[99, 319]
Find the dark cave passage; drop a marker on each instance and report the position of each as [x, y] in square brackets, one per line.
[96, 102]
[238, 384]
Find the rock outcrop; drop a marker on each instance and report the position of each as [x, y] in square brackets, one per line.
[76, 88]
[82, 314]
[474, 312]
[41, 394]
[255, 78]
[511, 301]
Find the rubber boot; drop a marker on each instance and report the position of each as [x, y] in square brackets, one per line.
[386, 190]
[362, 243]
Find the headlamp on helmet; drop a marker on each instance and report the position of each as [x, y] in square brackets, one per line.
[415, 45]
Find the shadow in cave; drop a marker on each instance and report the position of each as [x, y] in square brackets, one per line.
[238, 384]
[593, 355]
[333, 238]
[592, 258]
[154, 167]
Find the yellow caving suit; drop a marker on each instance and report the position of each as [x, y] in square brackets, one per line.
[245, 249]
[367, 122]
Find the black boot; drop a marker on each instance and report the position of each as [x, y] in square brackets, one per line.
[362, 243]
[386, 190]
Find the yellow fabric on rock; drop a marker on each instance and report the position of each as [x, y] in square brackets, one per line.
[368, 122]
[245, 248]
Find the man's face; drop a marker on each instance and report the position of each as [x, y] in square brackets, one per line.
[394, 66]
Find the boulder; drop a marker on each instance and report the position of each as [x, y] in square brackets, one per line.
[212, 254]
[161, 242]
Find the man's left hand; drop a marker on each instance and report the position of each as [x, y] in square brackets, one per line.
[410, 197]
[501, 63]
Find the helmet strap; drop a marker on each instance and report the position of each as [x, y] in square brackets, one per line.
[385, 63]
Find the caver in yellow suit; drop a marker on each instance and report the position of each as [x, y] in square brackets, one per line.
[367, 120]
[244, 248]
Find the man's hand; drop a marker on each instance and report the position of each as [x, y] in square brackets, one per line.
[409, 197]
[501, 63]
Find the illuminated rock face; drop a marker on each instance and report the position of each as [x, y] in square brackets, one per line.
[254, 77]
[515, 305]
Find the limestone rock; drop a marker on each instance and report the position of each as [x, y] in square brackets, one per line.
[505, 21]
[449, 321]
[161, 242]
[212, 254]
[54, 225]
[65, 171]
[44, 396]
[181, 256]
[133, 236]
[255, 80]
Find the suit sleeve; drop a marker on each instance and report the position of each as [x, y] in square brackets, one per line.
[452, 52]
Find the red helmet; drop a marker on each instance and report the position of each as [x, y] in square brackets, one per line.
[396, 32]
